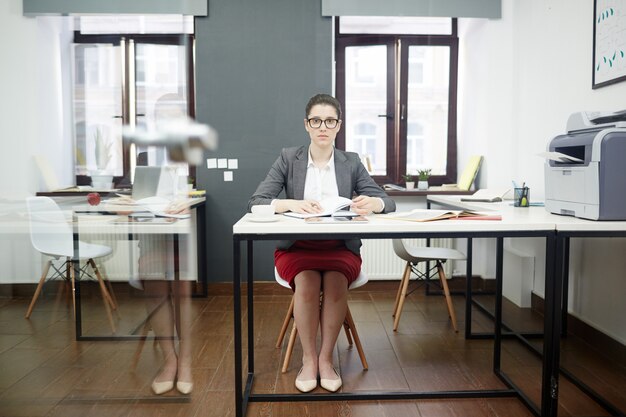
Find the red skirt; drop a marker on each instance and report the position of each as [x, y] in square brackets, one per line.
[317, 255]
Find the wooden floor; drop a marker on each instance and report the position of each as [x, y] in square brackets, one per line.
[44, 372]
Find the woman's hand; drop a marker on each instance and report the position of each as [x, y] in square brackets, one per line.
[178, 207]
[298, 206]
[366, 205]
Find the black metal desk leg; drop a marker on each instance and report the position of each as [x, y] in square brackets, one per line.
[237, 328]
[552, 326]
[250, 309]
[201, 249]
[497, 344]
[468, 290]
[78, 322]
[177, 286]
[565, 286]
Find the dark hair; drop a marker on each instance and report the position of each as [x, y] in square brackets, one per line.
[323, 99]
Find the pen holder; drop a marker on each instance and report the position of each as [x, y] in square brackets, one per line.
[521, 197]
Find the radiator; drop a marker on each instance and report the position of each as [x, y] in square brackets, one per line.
[381, 263]
[122, 264]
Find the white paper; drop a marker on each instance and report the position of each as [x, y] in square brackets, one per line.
[211, 163]
[228, 175]
[222, 163]
[559, 157]
[330, 206]
[233, 164]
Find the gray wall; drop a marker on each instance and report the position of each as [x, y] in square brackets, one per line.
[257, 63]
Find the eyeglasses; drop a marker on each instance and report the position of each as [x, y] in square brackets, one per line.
[316, 123]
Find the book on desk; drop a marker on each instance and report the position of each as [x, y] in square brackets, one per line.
[428, 215]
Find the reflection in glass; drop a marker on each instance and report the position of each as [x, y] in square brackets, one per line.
[97, 97]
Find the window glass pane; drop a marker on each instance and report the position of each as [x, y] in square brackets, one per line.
[97, 99]
[401, 25]
[161, 89]
[366, 99]
[427, 108]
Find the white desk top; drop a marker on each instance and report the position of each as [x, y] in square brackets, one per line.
[514, 219]
[99, 224]
[539, 214]
[380, 224]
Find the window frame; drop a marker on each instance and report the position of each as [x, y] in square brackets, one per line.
[397, 96]
[187, 40]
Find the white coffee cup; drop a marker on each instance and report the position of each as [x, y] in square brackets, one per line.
[263, 211]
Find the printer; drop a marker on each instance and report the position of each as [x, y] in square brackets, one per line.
[585, 175]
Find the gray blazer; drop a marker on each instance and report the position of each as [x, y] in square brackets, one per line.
[289, 173]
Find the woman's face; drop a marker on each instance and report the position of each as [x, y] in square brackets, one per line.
[320, 116]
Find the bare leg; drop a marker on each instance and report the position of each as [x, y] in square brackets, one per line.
[183, 289]
[162, 321]
[334, 306]
[306, 314]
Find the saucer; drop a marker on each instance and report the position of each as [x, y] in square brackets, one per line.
[263, 219]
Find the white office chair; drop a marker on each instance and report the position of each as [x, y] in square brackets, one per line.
[414, 255]
[51, 234]
[348, 324]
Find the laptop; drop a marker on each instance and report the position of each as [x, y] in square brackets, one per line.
[153, 182]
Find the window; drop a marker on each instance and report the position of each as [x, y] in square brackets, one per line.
[396, 78]
[128, 79]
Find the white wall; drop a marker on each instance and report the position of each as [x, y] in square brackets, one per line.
[521, 77]
[19, 109]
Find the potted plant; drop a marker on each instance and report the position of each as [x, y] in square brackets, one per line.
[409, 183]
[190, 181]
[422, 176]
[101, 178]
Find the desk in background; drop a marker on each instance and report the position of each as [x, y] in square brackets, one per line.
[566, 227]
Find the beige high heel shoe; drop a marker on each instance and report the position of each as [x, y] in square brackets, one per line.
[162, 387]
[331, 385]
[305, 385]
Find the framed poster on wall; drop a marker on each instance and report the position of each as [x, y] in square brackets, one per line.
[609, 42]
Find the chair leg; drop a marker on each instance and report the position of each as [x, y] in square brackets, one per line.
[111, 294]
[144, 333]
[292, 341]
[106, 298]
[46, 268]
[346, 328]
[283, 330]
[405, 275]
[105, 293]
[357, 340]
[405, 286]
[446, 291]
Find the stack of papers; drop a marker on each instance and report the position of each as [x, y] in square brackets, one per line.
[486, 196]
[158, 206]
[427, 215]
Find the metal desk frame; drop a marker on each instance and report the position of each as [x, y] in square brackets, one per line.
[553, 299]
[201, 270]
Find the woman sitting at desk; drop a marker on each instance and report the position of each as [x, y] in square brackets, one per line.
[309, 174]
